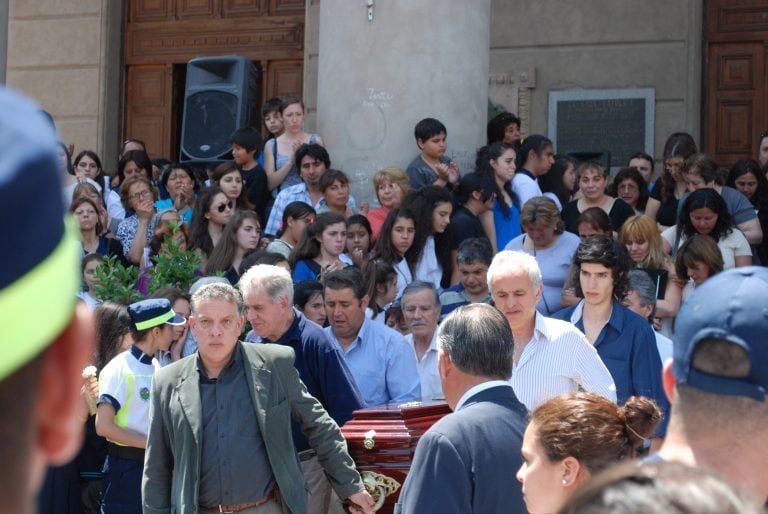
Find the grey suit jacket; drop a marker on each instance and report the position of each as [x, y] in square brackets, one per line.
[466, 462]
[172, 464]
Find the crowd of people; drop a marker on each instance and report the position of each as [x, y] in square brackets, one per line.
[539, 297]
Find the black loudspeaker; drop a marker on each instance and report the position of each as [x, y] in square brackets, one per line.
[219, 97]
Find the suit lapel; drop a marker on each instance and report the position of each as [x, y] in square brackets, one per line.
[188, 389]
[258, 383]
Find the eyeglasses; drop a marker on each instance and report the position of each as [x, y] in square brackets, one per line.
[229, 205]
[139, 195]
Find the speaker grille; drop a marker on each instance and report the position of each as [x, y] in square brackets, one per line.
[210, 118]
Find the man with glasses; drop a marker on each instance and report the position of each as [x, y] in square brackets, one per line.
[313, 161]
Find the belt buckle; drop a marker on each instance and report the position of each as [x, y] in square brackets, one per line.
[221, 509]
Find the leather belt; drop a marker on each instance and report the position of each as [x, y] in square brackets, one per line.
[240, 506]
[126, 452]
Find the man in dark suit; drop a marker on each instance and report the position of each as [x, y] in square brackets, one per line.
[220, 425]
[466, 462]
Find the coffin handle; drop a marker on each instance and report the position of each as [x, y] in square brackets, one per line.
[369, 441]
[379, 486]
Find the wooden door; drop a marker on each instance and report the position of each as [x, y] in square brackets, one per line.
[736, 87]
[163, 35]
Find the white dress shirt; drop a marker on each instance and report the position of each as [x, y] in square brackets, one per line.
[431, 387]
[558, 359]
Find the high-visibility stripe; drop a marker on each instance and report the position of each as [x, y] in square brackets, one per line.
[157, 320]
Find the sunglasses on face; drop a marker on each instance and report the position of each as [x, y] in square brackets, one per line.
[225, 206]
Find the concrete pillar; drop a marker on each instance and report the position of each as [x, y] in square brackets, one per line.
[377, 78]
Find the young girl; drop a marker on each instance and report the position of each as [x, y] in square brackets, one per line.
[212, 212]
[334, 185]
[240, 237]
[497, 160]
[308, 298]
[382, 288]
[320, 247]
[358, 240]
[229, 179]
[394, 245]
[296, 217]
[432, 206]
[89, 264]
[279, 152]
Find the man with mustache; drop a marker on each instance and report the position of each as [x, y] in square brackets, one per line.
[421, 309]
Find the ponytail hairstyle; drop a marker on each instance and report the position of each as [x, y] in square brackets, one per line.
[295, 211]
[593, 429]
[309, 245]
[483, 167]
[377, 274]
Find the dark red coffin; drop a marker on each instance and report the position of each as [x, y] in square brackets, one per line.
[383, 439]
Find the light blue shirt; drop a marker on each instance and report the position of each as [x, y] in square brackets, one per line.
[383, 364]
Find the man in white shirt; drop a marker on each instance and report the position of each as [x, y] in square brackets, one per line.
[421, 309]
[551, 357]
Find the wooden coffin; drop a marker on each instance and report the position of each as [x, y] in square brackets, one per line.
[383, 439]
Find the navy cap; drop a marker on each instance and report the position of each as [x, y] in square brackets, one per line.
[39, 272]
[732, 306]
[152, 313]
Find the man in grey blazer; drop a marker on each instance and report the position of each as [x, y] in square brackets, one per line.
[220, 425]
[466, 462]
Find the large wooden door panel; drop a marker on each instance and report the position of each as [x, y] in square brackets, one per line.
[736, 99]
[149, 107]
[736, 109]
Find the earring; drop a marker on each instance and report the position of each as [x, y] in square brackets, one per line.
[564, 481]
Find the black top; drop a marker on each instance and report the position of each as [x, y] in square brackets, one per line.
[255, 179]
[464, 225]
[619, 213]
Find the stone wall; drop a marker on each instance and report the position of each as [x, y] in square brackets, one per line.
[66, 55]
[604, 44]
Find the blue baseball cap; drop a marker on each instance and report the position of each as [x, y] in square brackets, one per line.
[731, 306]
[152, 313]
[40, 272]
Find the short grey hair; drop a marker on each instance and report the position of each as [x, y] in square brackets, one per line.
[641, 283]
[217, 291]
[509, 260]
[275, 281]
[419, 286]
[478, 340]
